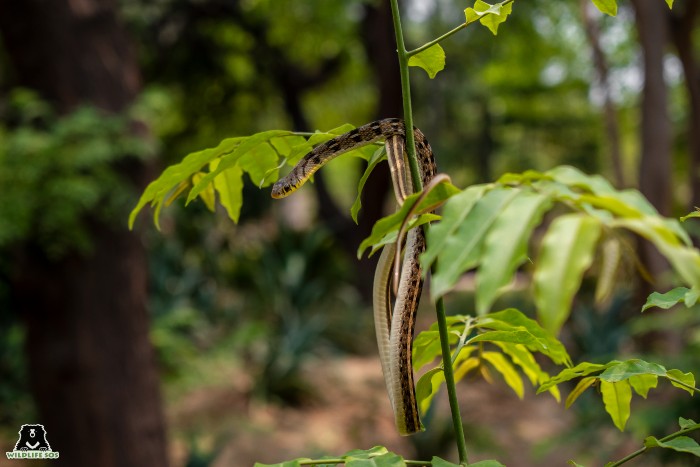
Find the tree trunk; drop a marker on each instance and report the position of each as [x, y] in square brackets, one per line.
[682, 26]
[91, 365]
[610, 115]
[655, 137]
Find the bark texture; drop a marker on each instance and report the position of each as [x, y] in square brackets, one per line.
[91, 365]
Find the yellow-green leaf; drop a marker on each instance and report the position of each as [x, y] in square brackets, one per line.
[580, 388]
[617, 398]
[506, 369]
[682, 380]
[609, 7]
[229, 185]
[567, 251]
[432, 60]
[643, 383]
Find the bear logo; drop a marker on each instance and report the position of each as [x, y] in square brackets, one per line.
[32, 438]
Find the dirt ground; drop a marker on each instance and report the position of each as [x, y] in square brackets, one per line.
[352, 411]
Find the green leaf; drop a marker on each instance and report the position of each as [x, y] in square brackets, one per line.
[609, 7]
[567, 251]
[432, 60]
[157, 190]
[579, 389]
[623, 370]
[643, 383]
[506, 369]
[695, 213]
[392, 223]
[294, 463]
[505, 247]
[490, 16]
[669, 3]
[229, 185]
[437, 462]
[453, 214]
[676, 377]
[685, 260]
[376, 158]
[686, 423]
[388, 459]
[617, 398]
[207, 195]
[486, 463]
[258, 162]
[521, 356]
[427, 387]
[582, 369]
[544, 342]
[229, 160]
[461, 251]
[666, 300]
[574, 464]
[680, 444]
[366, 453]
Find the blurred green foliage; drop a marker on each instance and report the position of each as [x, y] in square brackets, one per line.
[59, 173]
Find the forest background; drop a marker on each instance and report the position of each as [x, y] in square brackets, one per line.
[195, 343]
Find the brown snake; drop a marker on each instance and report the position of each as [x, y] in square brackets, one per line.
[394, 329]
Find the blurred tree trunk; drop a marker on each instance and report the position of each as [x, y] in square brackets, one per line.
[91, 366]
[655, 137]
[682, 25]
[609, 113]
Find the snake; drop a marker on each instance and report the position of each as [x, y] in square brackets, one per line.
[394, 321]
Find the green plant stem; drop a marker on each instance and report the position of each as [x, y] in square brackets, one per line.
[450, 381]
[418, 186]
[644, 449]
[428, 45]
[406, 95]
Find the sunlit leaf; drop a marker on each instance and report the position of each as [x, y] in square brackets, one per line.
[685, 260]
[643, 383]
[609, 7]
[258, 163]
[207, 195]
[432, 60]
[461, 251]
[158, 189]
[681, 380]
[579, 389]
[610, 261]
[506, 369]
[388, 459]
[453, 214]
[505, 247]
[490, 16]
[617, 398]
[567, 251]
[229, 160]
[513, 320]
[229, 185]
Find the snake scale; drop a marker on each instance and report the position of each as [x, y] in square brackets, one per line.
[395, 324]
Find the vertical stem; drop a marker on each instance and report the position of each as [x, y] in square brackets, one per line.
[418, 186]
[450, 382]
[406, 95]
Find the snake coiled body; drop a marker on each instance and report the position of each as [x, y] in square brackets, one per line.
[395, 324]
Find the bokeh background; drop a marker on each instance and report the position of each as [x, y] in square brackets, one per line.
[209, 343]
